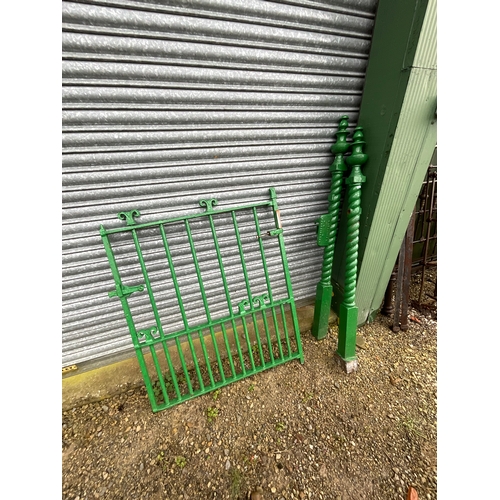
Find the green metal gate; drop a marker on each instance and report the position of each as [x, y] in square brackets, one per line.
[258, 328]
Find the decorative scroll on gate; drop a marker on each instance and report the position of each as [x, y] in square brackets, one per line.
[256, 330]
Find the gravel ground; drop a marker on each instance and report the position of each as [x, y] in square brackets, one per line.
[294, 432]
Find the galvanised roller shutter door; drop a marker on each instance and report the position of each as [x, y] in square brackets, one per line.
[168, 102]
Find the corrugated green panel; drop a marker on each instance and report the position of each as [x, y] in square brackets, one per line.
[391, 59]
[426, 55]
[410, 155]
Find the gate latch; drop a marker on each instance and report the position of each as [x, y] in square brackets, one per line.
[125, 291]
[273, 232]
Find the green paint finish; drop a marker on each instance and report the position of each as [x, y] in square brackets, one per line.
[180, 365]
[412, 148]
[348, 311]
[321, 311]
[324, 225]
[392, 54]
[409, 159]
[348, 323]
[354, 182]
[327, 232]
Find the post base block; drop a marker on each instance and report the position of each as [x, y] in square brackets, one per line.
[321, 311]
[348, 325]
[348, 366]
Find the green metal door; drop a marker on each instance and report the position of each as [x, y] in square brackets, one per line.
[257, 329]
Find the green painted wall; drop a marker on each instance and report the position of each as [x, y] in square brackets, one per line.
[398, 116]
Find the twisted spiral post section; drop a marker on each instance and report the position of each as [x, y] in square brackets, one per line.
[324, 287]
[333, 212]
[351, 265]
[348, 312]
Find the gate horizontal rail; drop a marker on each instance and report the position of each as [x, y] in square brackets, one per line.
[183, 218]
[194, 329]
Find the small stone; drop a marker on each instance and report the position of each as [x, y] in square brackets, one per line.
[278, 456]
[228, 464]
[105, 475]
[273, 490]
[105, 408]
[257, 494]
[141, 466]
[138, 428]
[360, 342]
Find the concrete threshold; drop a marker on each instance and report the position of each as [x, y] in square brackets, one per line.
[118, 377]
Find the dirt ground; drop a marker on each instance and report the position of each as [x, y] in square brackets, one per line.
[297, 431]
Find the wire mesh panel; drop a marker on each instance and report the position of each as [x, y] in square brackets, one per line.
[256, 327]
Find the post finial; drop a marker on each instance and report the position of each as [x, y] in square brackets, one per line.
[357, 157]
[341, 146]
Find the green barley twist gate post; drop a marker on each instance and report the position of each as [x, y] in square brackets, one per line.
[327, 233]
[348, 313]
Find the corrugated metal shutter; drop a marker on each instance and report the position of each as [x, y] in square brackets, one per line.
[165, 103]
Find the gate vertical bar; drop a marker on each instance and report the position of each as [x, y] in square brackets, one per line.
[209, 205]
[286, 270]
[402, 299]
[269, 289]
[324, 287]
[399, 289]
[247, 285]
[181, 308]
[174, 276]
[203, 294]
[285, 328]
[228, 349]
[407, 272]
[348, 312]
[123, 295]
[195, 361]
[268, 284]
[226, 291]
[428, 233]
[156, 316]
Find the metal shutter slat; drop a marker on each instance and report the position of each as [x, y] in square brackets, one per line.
[165, 103]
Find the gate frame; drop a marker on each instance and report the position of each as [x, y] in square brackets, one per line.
[154, 336]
